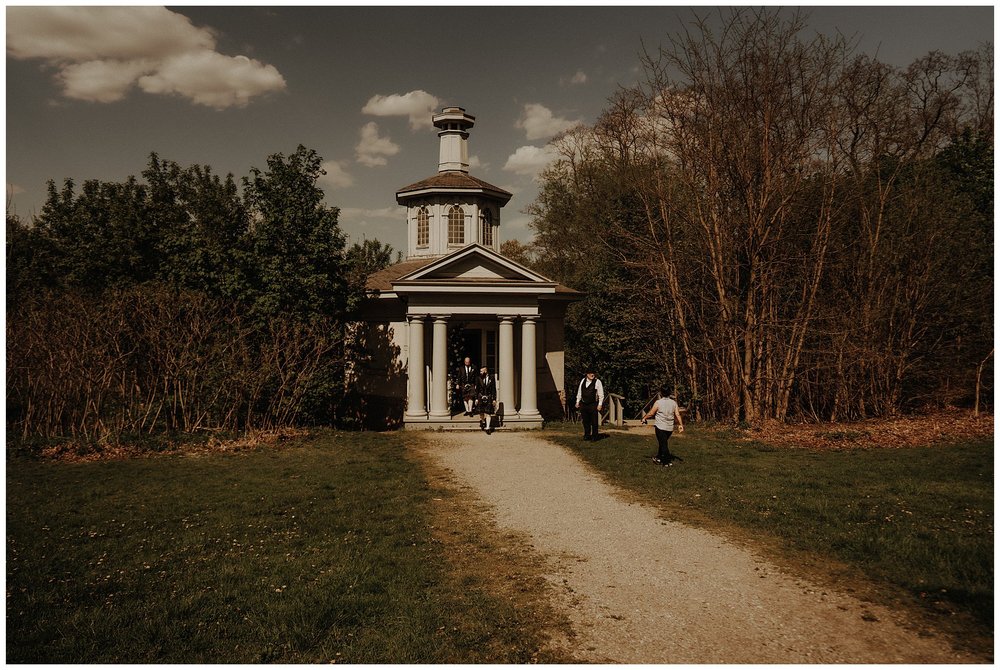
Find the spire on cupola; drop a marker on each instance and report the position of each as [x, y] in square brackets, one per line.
[454, 125]
[452, 209]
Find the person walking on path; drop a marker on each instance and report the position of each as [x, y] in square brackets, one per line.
[465, 383]
[590, 400]
[667, 413]
[487, 390]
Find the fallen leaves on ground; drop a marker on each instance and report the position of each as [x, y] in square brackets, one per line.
[77, 453]
[950, 425]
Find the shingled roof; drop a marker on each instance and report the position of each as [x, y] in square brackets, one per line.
[382, 280]
[455, 179]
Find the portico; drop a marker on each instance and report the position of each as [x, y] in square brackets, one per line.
[519, 400]
[494, 309]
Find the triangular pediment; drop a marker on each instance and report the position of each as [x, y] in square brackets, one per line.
[474, 263]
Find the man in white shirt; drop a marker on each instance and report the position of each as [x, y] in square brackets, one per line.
[465, 384]
[590, 400]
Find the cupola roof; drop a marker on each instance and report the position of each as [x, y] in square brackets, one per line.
[453, 180]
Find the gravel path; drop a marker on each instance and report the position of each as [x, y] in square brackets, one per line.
[642, 589]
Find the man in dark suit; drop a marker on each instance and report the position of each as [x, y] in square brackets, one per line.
[487, 391]
[465, 384]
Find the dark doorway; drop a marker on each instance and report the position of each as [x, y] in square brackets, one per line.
[472, 345]
[462, 342]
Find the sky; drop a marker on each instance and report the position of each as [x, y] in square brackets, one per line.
[92, 91]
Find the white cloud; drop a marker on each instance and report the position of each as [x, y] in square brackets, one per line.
[101, 80]
[476, 164]
[539, 123]
[211, 79]
[579, 78]
[336, 176]
[99, 53]
[372, 148]
[418, 105]
[80, 34]
[530, 160]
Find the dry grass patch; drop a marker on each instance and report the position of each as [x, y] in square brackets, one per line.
[950, 425]
[215, 442]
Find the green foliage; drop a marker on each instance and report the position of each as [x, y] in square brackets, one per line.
[612, 327]
[969, 161]
[313, 553]
[607, 329]
[102, 236]
[275, 250]
[363, 260]
[270, 264]
[30, 257]
[181, 226]
[202, 225]
[297, 258]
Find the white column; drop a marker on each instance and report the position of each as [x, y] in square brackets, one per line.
[416, 407]
[507, 364]
[439, 370]
[529, 390]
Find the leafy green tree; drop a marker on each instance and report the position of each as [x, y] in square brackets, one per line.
[102, 237]
[581, 204]
[203, 224]
[147, 253]
[31, 259]
[519, 252]
[296, 260]
[363, 260]
[966, 315]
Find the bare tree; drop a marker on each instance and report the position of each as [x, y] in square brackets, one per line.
[775, 201]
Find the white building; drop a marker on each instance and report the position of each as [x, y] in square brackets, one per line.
[453, 296]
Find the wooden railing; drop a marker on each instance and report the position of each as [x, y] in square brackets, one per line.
[647, 405]
[615, 413]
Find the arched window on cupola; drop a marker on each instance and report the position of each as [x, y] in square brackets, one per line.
[456, 226]
[423, 227]
[486, 228]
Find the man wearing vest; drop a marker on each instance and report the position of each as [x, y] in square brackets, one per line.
[465, 384]
[487, 390]
[590, 400]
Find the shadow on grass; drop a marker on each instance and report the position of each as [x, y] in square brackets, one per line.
[315, 552]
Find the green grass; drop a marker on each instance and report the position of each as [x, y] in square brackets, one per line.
[315, 552]
[920, 519]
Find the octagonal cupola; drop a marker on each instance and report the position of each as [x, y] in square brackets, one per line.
[452, 209]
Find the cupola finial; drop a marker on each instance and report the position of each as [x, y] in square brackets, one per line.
[454, 125]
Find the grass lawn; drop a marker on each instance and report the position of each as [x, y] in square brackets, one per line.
[918, 521]
[323, 550]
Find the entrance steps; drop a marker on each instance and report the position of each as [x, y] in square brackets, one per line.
[462, 422]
